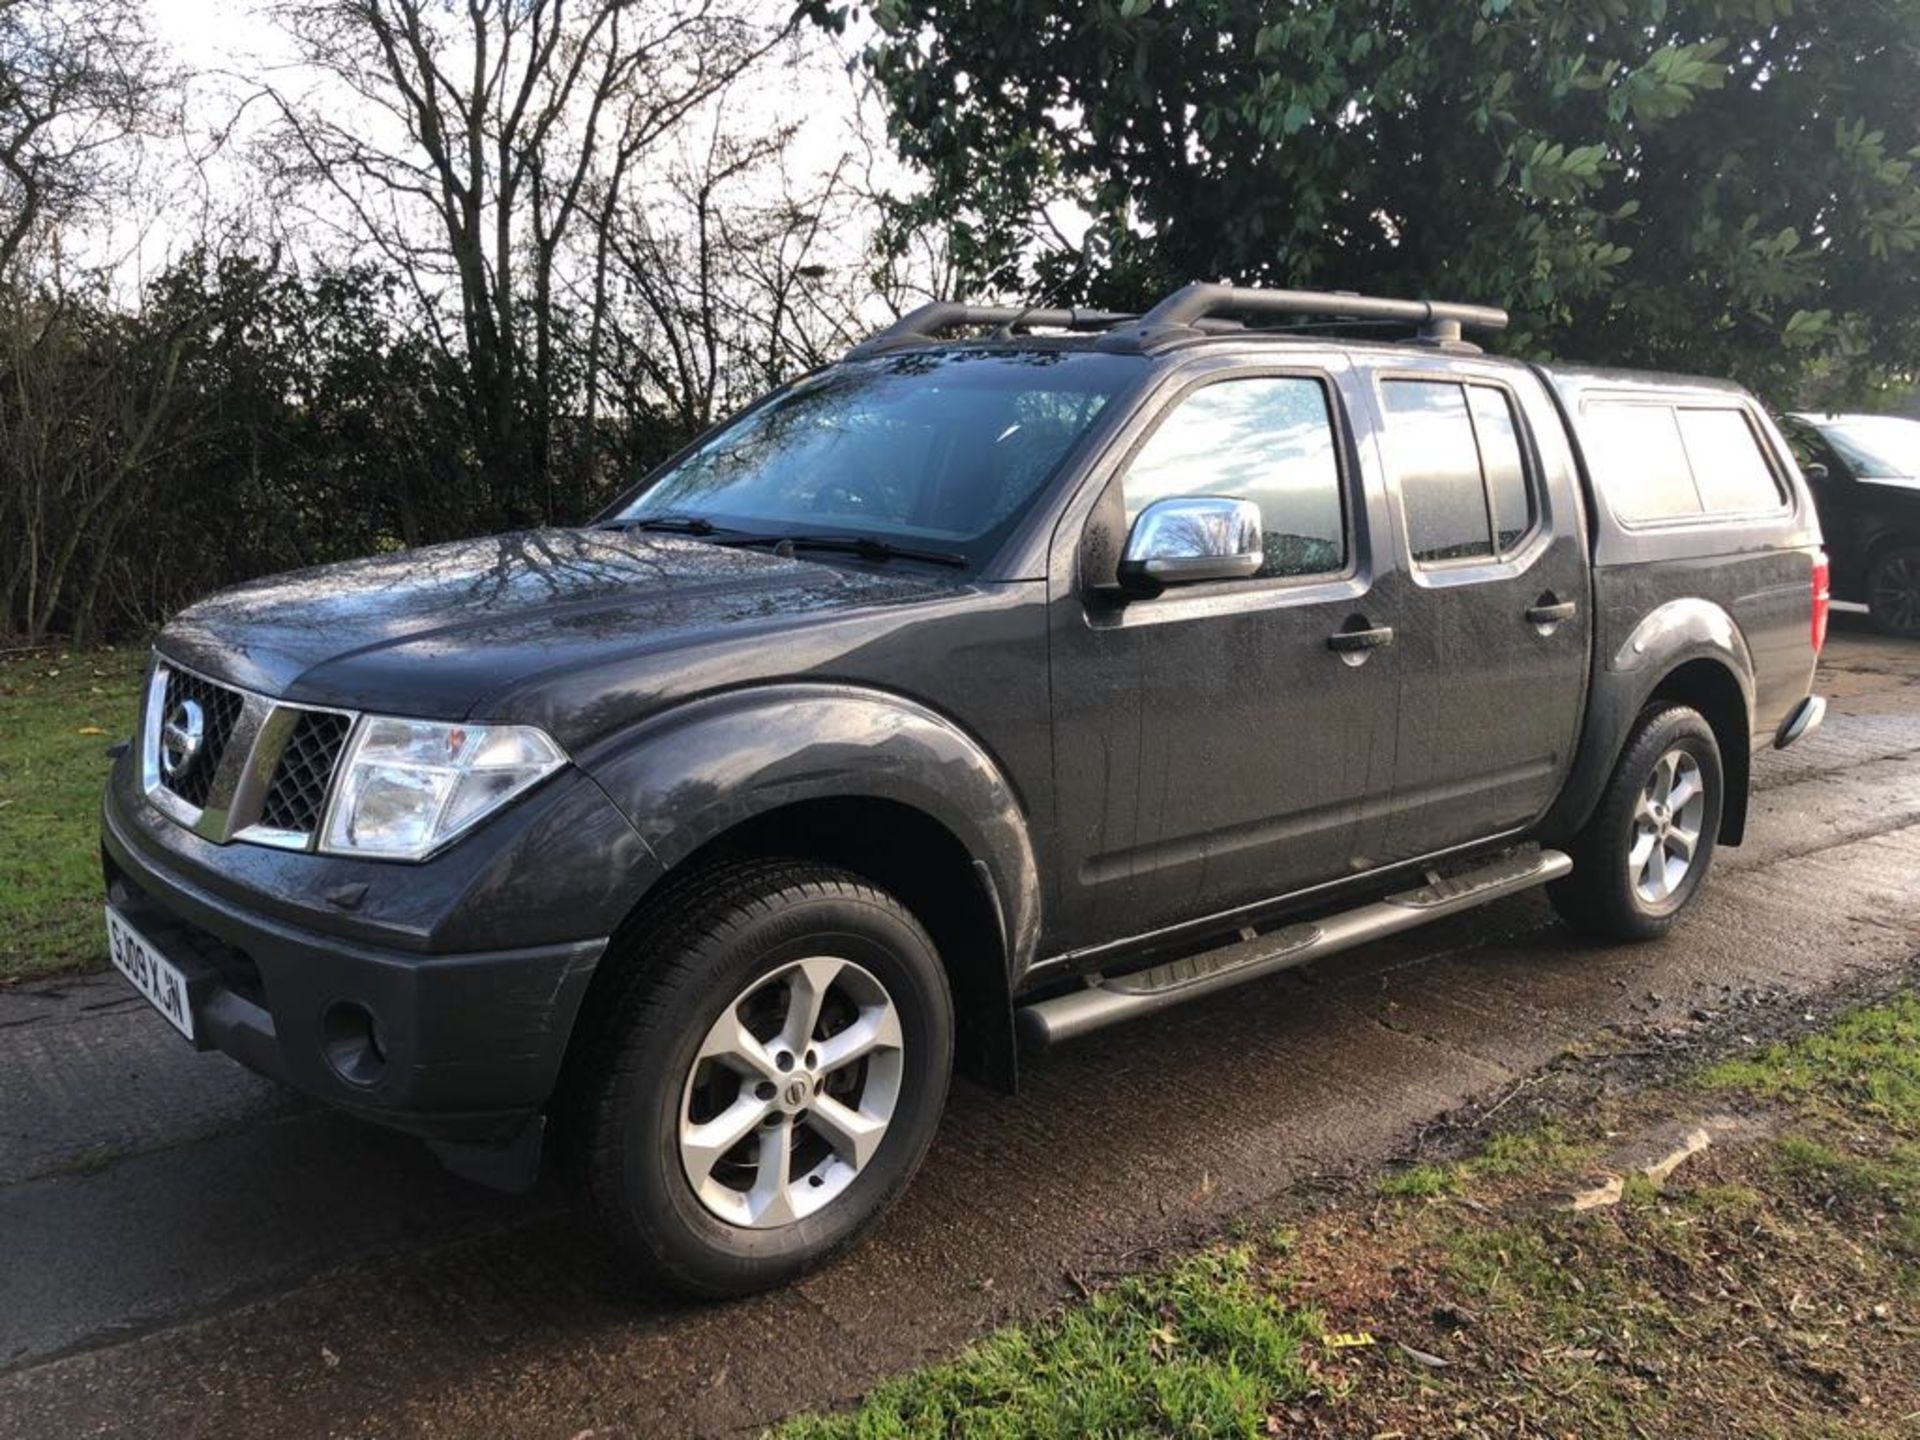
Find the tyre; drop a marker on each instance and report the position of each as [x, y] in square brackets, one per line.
[766, 1078]
[1647, 847]
[1893, 591]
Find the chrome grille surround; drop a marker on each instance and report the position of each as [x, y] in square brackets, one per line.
[246, 770]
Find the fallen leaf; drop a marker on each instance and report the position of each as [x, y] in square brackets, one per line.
[1421, 1357]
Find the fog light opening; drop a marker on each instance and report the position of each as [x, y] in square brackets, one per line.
[351, 1039]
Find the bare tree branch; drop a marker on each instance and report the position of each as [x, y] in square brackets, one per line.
[77, 77]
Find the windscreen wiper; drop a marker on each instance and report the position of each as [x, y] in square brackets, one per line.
[668, 524]
[867, 547]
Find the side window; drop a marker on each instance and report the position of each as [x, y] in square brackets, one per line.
[1507, 492]
[1435, 459]
[1640, 461]
[1456, 455]
[1661, 462]
[1268, 439]
[1729, 467]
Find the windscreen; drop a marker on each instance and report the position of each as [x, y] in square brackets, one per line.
[942, 448]
[1877, 449]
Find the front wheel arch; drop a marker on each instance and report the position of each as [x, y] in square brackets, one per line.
[905, 852]
[691, 777]
[632, 1076]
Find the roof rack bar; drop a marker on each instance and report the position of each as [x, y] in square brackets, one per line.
[1191, 304]
[1207, 308]
[942, 315]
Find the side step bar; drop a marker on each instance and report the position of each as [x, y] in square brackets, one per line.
[1103, 1001]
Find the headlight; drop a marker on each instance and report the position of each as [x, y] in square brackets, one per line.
[407, 787]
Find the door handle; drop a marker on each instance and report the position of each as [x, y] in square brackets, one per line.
[1550, 614]
[1347, 642]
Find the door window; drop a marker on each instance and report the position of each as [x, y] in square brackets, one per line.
[1455, 452]
[1499, 436]
[1266, 438]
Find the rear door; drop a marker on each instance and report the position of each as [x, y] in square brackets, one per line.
[1491, 602]
[1210, 750]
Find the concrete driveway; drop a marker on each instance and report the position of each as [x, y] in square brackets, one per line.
[185, 1249]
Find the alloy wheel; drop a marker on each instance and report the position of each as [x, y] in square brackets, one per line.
[1666, 827]
[791, 1092]
[1896, 591]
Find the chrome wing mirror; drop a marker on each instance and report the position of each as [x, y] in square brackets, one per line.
[1191, 538]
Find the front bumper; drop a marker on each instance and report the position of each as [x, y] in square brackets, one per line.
[459, 1045]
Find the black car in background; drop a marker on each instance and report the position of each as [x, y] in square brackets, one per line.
[1865, 474]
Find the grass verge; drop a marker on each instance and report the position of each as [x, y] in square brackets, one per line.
[58, 713]
[1199, 1350]
[1768, 1286]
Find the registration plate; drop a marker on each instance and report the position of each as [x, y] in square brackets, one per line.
[134, 956]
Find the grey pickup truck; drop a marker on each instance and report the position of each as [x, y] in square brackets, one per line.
[1021, 673]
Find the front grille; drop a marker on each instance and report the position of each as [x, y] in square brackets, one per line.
[261, 771]
[300, 780]
[219, 710]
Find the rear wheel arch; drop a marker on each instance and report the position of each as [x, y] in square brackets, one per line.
[1711, 687]
[1690, 652]
[1644, 851]
[1697, 650]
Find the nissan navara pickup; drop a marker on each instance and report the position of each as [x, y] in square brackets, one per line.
[1021, 673]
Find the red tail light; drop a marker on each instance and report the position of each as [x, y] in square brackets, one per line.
[1822, 601]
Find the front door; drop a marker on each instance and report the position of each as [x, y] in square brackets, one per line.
[1489, 606]
[1211, 750]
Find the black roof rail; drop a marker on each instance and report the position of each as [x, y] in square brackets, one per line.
[938, 316]
[1199, 308]
[1191, 307]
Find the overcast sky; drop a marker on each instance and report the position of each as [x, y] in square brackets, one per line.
[233, 48]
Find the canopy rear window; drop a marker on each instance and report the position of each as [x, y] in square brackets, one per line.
[1658, 461]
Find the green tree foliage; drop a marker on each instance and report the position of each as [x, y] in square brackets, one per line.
[1725, 186]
